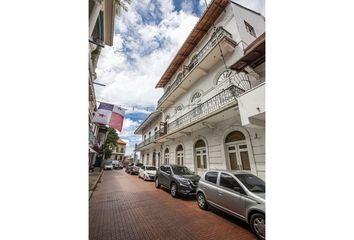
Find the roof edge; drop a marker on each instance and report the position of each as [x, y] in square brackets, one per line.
[190, 33]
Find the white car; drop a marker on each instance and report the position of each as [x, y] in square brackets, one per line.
[108, 165]
[147, 172]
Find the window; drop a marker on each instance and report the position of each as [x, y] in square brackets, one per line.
[211, 177]
[178, 108]
[235, 136]
[253, 183]
[98, 31]
[167, 170]
[250, 29]
[226, 75]
[228, 181]
[179, 154]
[196, 97]
[200, 154]
[167, 156]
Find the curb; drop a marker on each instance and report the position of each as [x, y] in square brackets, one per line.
[94, 186]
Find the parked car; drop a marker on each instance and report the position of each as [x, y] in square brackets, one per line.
[129, 167]
[240, 194]
[115, 164]
[108, 165]
[120, 165]
[147, 172]
[135, 168]
[179, 179]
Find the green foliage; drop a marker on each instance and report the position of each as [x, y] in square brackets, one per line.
[95, 54]
[122, 4]
[110, 143]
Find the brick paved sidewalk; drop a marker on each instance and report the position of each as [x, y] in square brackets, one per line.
[125, 207]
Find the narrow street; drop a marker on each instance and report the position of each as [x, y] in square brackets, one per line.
[126, 207]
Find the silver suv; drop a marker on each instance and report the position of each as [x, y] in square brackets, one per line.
[240, 194]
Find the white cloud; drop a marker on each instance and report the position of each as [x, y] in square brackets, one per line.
[187, 6]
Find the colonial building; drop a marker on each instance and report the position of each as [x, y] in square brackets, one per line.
[212, 112]
[118, 152]
[101, 28]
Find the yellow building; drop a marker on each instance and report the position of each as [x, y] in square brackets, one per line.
[119, 152]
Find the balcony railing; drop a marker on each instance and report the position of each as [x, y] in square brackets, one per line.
[219, 34]
[208, 107]
[149, 140]
[213, 104]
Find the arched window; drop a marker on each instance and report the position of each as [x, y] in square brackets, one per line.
[167, 156]
[200, 154]
[235, 136]
[179, 155]
[196, 97]
[179, 108]
[237, 151]
[226, 75]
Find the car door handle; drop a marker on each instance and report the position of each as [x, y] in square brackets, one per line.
[219, 193]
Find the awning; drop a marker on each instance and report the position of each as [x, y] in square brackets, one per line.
[254, 55]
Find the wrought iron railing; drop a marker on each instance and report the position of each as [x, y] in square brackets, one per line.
[208, 107]
[213, 104]
[218, 35]
[149, 140]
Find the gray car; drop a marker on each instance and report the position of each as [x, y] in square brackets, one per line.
[179, 179]
[240, 194]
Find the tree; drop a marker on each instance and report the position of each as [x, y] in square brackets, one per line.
[110, 143]
[121, 4]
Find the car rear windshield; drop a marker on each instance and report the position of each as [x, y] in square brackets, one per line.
[252, 183]
[108, 162]
[150, 168]
[181, 170]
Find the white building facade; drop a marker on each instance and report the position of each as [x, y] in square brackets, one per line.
[212, 112]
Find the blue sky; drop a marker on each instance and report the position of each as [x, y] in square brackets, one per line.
[145, 41]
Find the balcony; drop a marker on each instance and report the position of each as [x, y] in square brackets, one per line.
[213, 105]
[200, 63]
[148, 140]
[218, 103]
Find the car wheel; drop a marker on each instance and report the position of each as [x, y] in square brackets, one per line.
[157, 184]
[174, 190]
[202, 202]
[257, 223]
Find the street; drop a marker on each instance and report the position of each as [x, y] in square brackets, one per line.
[125, 207]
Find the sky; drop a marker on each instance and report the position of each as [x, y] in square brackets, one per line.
[146, 38]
